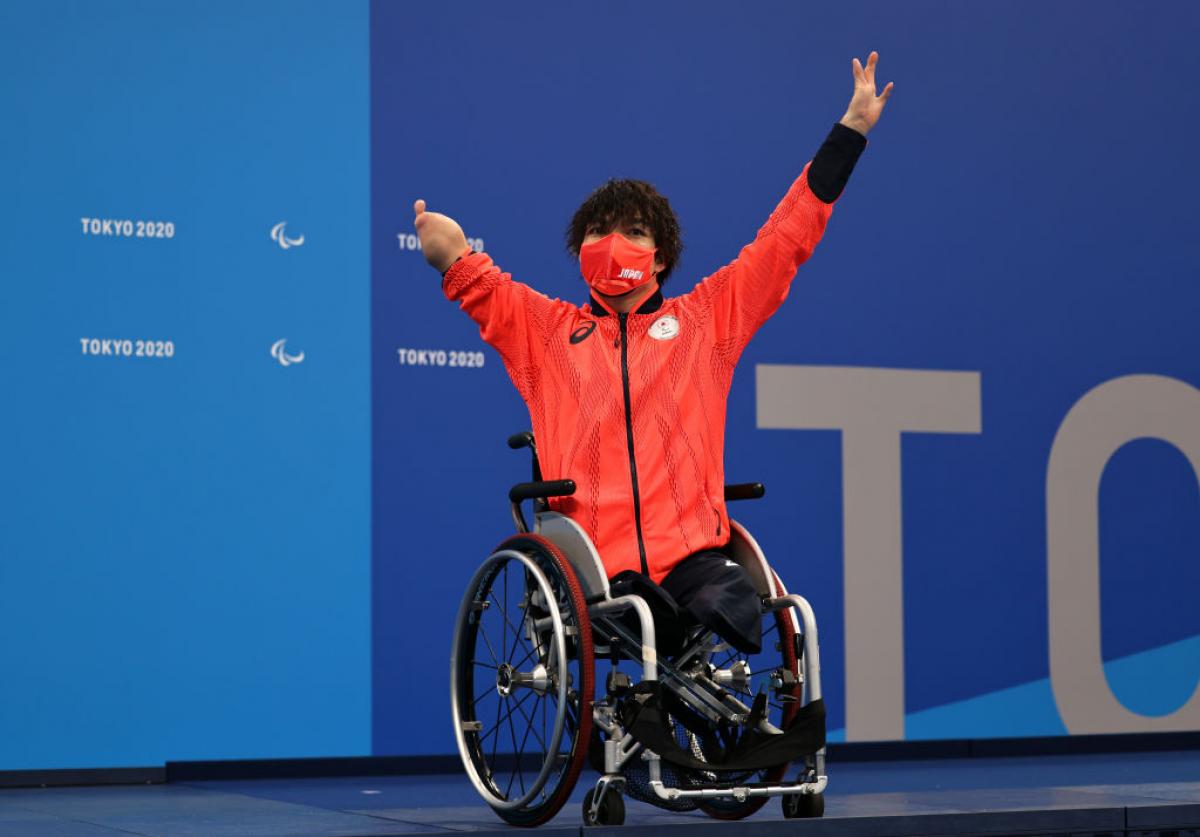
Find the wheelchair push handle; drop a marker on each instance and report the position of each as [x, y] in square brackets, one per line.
[541, 490]
[745, 491]
[524, 439]
[520, 440]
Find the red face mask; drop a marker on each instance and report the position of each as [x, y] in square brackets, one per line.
[614, 265]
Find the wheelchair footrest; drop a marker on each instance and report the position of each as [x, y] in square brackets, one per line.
[646, 718]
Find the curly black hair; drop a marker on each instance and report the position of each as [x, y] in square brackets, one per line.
[628, 201]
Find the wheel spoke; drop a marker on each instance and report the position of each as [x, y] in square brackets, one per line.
[512, 734]
[488, 643]
[529, 722]
[729, 657]
[532, 650]
[509, 626]
[489, 690]
[495, 742]
[572, 715]
[507, 564]
[507, 715]
[521, 752]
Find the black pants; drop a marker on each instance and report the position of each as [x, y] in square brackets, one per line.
[711, 590]
[718, 594]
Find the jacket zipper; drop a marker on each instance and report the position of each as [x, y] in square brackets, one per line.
[637, 501]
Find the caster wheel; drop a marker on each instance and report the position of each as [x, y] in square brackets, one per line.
[804, 806]
[611, 811]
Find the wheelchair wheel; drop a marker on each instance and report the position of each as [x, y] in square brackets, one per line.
[779, 645]
[521, 673]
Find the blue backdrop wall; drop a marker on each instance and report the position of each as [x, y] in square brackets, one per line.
[184, 560]
[974, 413]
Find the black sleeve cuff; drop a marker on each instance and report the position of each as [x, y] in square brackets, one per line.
[835, 159]
[470, 252]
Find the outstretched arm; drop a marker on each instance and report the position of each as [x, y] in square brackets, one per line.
[512, 318]
[744, 293]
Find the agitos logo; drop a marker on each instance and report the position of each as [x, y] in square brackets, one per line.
[279, 236]
[280, 354]
[583, 332]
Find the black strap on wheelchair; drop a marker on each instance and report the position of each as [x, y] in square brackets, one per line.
[644, 715]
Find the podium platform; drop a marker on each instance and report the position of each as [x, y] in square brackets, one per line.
[1139, 794]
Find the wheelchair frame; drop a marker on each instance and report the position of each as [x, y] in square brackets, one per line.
[702, 693]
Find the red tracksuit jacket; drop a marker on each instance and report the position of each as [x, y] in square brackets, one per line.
[632, 406]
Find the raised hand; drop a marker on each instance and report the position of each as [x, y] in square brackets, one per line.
[865, 107]
[442, 239]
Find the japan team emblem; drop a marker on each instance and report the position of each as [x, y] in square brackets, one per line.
[665, 328]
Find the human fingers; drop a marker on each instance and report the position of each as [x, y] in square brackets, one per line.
[887, 91]
[872, 60]
[419, 207]
[858, 70]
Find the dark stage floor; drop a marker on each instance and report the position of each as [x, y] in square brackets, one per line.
[1139, 793]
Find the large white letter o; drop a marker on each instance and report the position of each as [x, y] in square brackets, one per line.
[1107, 417]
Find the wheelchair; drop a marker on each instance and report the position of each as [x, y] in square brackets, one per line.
[695, 725]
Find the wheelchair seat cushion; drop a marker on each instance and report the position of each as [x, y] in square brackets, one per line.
[671, 622]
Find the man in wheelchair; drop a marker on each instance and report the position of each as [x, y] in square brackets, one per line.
[633, 555]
